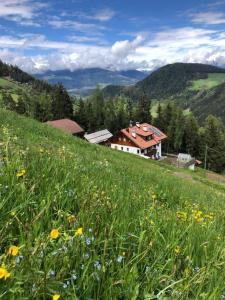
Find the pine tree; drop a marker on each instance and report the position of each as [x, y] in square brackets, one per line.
[62, 106]
[191, 135]
[21, 106]
[159, 120]
[144, 109]
[80, 114]
[213, 137]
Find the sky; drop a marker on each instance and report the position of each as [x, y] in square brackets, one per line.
[117, 35]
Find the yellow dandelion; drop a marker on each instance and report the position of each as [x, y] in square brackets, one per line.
[4, 274]
[56, 297]
[177, 250]
[79, 231]
[71, 218]
[21, 173]
[182, 215]
[54, 234]
[13, 250]
[154, 196]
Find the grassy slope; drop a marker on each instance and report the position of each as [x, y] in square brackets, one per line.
[11, 87]
[213, 80]
[127, 204]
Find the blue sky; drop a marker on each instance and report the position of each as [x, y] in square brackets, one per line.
[126, 34]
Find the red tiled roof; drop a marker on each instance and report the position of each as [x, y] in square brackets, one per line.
[66, 125]
[142, 131]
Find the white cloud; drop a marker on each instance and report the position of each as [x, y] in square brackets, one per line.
[90, 28]
[209, 18]
[186, 44]
[104, 15]
[123, 48]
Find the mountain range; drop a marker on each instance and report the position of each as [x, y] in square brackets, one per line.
[84, 81]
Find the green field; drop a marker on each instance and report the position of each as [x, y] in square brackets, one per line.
[129, 228]
[213, 80]
[4, 83]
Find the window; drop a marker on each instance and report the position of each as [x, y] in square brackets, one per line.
[115, 147]
[121, 148]
[124, 139]
[138, 151]
[127, 149]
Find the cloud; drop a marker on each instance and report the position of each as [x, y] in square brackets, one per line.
[21, 11]
[104, 15]
[123, 48]
[90, 28]
[186, 44]
[209, 18]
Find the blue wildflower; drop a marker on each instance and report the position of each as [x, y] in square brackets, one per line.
[97, 265]
[119, 259]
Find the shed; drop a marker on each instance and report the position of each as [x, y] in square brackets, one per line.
[98, 137]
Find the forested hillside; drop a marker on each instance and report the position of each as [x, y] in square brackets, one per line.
[28, 96]
[191, 86]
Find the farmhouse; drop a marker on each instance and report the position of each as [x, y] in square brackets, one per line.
[67, 126]
[141, 139]
[99, 137]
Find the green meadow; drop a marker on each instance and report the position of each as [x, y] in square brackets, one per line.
[80, 221]
[212, 81]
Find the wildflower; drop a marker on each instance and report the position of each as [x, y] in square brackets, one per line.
[51, 273]
[154, 196]
[4, 274]
[56, 297]
[13, 250]
[182, 215]
[19, 258]
[21, 173]
[97, 265]
[73, 275]
[196, 269]
[79, 231]
[119, 259]
[66, 284]
[71, 218]
[85, 256]
[88, 241]
[54, 234]
[177, 250]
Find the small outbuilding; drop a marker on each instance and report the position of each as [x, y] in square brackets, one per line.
[99, 137]
[68, 126]
[185, 160]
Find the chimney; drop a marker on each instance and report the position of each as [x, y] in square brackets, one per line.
[145, 128]
[138, 124]
[127, 129]
[134, 135]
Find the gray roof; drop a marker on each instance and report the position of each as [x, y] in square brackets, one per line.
[98, 137]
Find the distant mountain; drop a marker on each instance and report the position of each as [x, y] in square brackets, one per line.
[197, 87]
[83, 81]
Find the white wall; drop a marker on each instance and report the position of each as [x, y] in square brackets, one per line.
[159, 149]
[133, 150]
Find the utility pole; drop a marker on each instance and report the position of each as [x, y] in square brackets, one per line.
[206, 152]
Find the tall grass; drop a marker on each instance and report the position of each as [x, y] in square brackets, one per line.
[146, 234]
